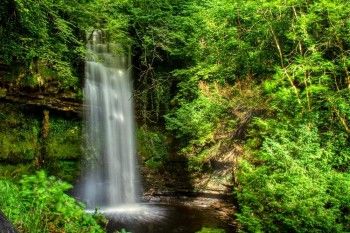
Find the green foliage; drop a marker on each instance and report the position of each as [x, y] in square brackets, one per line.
[193, 60]
[290, 181]
[65, 170]
[44, 37]
[18, 134]
[195, 122]
[159, 31]
[38, 204]
[14, 172]
[123, 231]
[111, 17]
[65, 139]
[211, 230]
[152, 146]
[297, 53]
[289, 184]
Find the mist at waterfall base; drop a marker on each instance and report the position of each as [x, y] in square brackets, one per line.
[110, 182]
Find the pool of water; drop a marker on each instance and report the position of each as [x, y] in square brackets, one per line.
[164, 218]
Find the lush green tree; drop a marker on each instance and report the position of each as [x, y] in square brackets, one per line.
[297, 53]
[299, 167]
[44, 40]
[289, 183]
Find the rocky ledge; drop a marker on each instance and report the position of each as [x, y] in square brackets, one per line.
[64, 102]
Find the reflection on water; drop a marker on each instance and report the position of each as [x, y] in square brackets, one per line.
[131, 213]
[163, 218]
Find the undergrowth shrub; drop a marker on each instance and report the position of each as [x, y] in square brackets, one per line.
[39, 204]
[195, 121]
[152, 146]
[211, 230]
[18, 134]
[65, 139]
[289, 183]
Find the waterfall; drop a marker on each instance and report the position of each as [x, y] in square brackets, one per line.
[110, 177]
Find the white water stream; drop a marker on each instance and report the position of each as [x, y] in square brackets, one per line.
[110, 177]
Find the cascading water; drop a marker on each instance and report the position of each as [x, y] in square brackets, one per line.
[110, 181]
[110, 178]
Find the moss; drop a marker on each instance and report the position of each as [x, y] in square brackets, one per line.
[3, 92]
[19, 134]
[20, 144]
[152, 147]
[65, 139]
[8, 171]
[65, 170]
[211, 230]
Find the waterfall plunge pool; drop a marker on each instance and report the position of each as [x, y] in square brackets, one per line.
[170, 215]
[165, 218]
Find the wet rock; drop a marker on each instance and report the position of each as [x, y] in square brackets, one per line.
[5, 225]
[57, 103]
[176, 178]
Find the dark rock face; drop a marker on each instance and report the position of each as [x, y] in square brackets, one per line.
[49, 95]
[176, 179]
[5, 225]
[58, 103]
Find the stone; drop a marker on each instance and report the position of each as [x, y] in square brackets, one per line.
[5, 225]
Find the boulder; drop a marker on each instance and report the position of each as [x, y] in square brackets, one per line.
[5, 225]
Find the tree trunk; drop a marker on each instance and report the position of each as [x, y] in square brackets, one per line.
[44, 134]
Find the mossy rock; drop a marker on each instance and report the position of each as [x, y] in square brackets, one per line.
[65, 139]
[19, 134]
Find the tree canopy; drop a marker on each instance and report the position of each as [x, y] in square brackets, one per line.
[269, 75]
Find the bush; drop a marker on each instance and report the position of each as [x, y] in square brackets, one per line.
[18, 134]
[211, 230]
[195, 122]
[152, 147]
[289, 185]
[65, 139]
[14, 172]
[38, 204]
